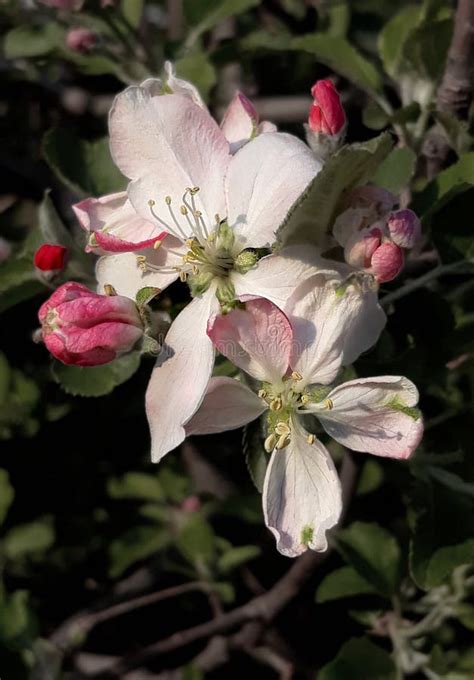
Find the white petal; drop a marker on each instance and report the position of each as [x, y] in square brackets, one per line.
[228, 404]
[124, 274]
[183, 368]
[301, 495]
[373, 415]
[167, 144]
[263, 181]
[332, 324]
[240, 122]
[276, 276]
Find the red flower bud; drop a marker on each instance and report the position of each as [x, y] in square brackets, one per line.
[50, 258]
[83, 328]
[326, 115]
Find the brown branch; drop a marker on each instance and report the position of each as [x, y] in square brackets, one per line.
[262, 608]
[455, 91]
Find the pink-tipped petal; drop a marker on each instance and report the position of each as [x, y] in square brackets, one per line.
[240, 122]
[125, 274]
[327, 115]
[228, 404]
[258, 339]
[301, 495]
[375, 415]
[361, 246]
[182, 372]
[264, 179]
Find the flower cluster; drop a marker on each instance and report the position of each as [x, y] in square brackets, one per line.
[204, 205]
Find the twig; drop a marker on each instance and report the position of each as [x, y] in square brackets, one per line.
[411, 286]
[264, 607]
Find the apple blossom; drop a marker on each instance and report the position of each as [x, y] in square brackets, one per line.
[327, 120]
[296, 357]
[50, 258]
[404, 228]
[83, 328]
[218, 210]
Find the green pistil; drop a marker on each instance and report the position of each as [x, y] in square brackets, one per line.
[307, 534]
[397, 405]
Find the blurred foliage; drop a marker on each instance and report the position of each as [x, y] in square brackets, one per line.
[85, 519]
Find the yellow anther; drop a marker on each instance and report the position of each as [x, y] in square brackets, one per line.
[304, 399]
[270, 443]
[195, 270]
[283, 441]
[296, 376]
[197, 213]
[311, 439]
[276, 404]
[190, 242]
[282, 428]
[217, 217]
[328, 404]
[182, 277]
[109, 289]
[151, 203]
[262, 394]
[168, 200]
[141, 262]
[183, 210]
[193, 191]
[157, 244]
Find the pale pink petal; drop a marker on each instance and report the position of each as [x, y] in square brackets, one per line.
[166, 145]
[263, 181]
[375, 415]
[333, 322]
[266, 126]
[257, 339]
[183, 368]
[124, 273]
[275, 277]
[240, 122]
[228, 404]
[116, 225]
[301, 495]
[170, 84]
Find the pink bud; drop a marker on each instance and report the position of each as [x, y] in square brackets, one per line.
[326, 115]
[404, 227]
[83, 328]
[81, 40]
[360, 248]
[50, 258]
[387, 262]
[63, 4]
[191, 504]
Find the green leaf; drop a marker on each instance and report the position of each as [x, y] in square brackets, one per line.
[426, 48]
[465, 614]
[196, 541]
[16, 620]
[313, 214]
[85, 167]
[51, 226]
[396, 171]
[27, 539]
[360, 658]
[456, 130]
[7, 494]
[33, 40]
[256, 458]
[18, 281]
[205, 14]
[137, 485]
[235, 557]
[146, 295]
[134, 546]
[374, 117]
[441, 538]
[371, 477]
[199, 70]
[444, 187]
[343, 582]
[393, 36]
[342, 57]
[95, 381]
[374, 554]
[132, 11]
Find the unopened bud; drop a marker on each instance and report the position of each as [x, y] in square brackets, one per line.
[404, 227]
[387, 262]
[326, 115]
[50, 258]
[81, 40]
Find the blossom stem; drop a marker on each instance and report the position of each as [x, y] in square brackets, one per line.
[411, 286]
